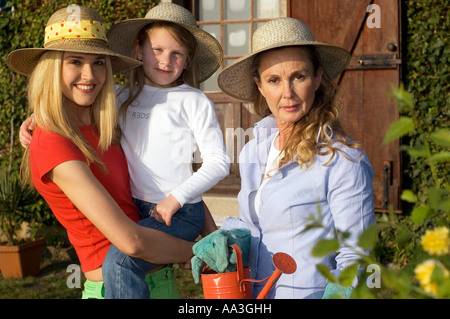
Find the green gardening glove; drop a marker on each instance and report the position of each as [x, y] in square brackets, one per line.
[216, 252]
[333, 291]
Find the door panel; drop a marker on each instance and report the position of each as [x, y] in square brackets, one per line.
[335, 22]
[236, 119]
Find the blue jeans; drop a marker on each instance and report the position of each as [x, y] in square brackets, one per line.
[124, 276]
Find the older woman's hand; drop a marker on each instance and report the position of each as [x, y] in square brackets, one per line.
[216, 252]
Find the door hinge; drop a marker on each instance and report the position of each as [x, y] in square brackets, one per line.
[374, 62]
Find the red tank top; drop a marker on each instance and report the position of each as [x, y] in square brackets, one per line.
[47, 150]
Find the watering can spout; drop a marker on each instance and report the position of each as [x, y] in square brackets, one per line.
[284, 264]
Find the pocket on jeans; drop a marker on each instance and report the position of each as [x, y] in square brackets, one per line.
[190, 216]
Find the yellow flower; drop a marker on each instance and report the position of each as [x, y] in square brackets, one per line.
[436, 242]
[423, 274]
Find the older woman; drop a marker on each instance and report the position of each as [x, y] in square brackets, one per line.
[300, 165]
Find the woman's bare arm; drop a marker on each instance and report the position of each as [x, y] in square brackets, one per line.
[79, 184]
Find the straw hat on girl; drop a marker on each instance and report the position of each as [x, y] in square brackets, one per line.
[209, 54]
[74, 29]
[237, 79]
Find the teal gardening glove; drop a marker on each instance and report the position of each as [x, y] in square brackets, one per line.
[333, 291]
[216, 252]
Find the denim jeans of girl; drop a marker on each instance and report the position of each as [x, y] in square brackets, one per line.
[124, 276]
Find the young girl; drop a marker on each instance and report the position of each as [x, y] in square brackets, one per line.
[74, 158]
[164, 120]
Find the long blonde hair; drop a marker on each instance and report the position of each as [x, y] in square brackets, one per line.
[317, 132]
[46, 101]
[136, 78]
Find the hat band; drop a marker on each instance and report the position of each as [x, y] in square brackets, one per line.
[76, 29]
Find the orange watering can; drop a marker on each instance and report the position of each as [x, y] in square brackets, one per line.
[237, 284]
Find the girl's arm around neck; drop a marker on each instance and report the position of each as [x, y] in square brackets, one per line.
[79, 184]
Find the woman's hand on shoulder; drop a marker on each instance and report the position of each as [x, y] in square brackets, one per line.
[26, 130]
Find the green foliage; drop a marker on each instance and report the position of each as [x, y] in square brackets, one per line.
[424, 272]
[430, 211]
[428, 80]
[17, 205]
[324, 247]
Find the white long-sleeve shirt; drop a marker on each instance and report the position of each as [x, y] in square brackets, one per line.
[162, 130]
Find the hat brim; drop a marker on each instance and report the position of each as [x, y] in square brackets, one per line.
[23, 61]
[122, 37]
[237, 79]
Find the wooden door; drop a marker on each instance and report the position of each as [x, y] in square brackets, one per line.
[367, 109]
[237, 119]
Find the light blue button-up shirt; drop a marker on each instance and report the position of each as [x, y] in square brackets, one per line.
[343, 191]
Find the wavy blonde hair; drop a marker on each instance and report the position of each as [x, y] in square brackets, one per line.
[46, 101]
[135, 77]
[317, 132]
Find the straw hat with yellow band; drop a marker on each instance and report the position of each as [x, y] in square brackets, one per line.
[74, 29]
[209, 54]
[237, 79]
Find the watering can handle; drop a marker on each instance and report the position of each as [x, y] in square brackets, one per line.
[239, 266]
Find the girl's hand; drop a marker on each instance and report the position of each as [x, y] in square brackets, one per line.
[166, 209]
[26, 130]
[186, 266]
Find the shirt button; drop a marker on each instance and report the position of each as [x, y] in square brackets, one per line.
[260, 202]
[280, 175]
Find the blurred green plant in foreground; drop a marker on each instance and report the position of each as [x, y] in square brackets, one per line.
[426, 272]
